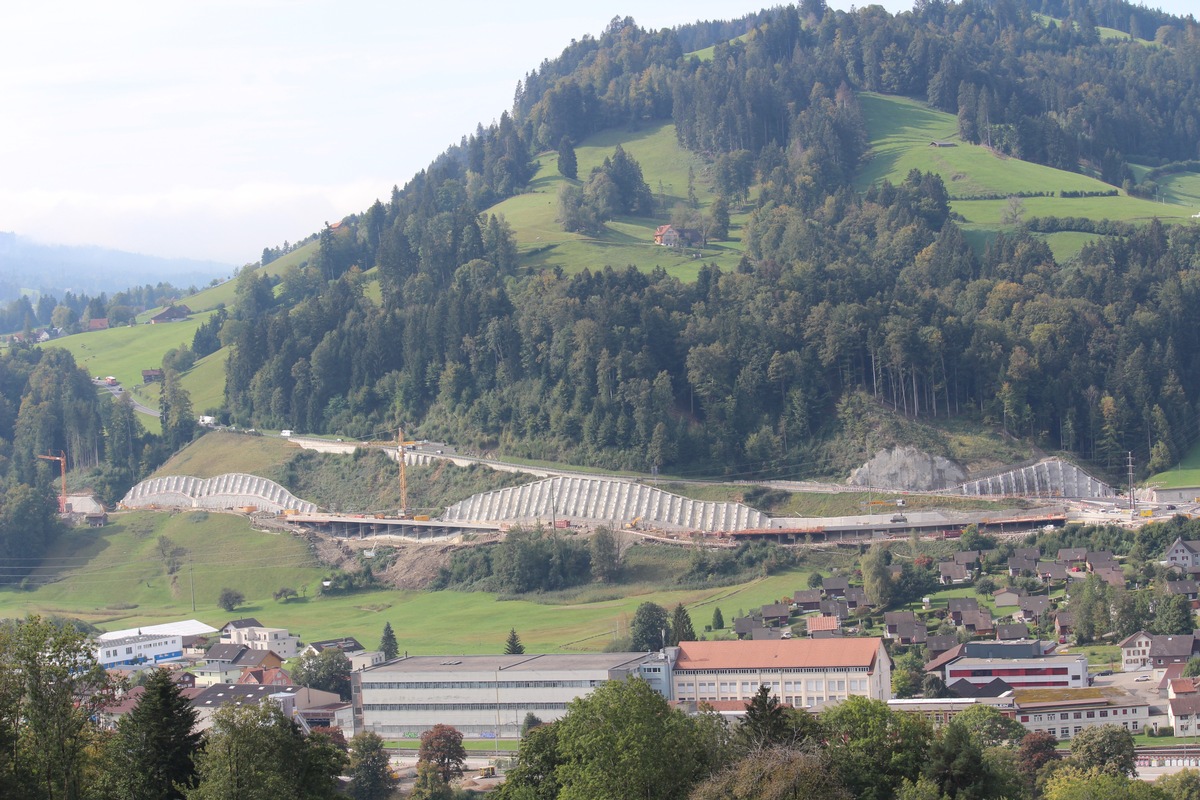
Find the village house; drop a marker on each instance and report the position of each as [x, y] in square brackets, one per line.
[666, 236]
[1183, 554]
[171, 314]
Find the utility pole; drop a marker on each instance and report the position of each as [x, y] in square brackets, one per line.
[1132, 498]
[192, 575]
[61, 458]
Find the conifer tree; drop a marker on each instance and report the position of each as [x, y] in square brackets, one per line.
[718, 621]
[568, 166]
[387, 642]
[513, 646]
[156, 742]
[681, 626]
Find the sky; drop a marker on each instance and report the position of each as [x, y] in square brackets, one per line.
[213, 129]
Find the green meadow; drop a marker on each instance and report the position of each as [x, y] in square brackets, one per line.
[901, 131]
[124, 352]
[626, 241]
[224, 293]
[1186, 473]
[115, 577]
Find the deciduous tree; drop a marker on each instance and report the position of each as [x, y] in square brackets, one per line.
[328, 670]
[1107, 748]
[624, 740]
[371, 777]
[442, 746]
[229, 599]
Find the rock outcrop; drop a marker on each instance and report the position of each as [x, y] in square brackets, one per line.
[908, 469]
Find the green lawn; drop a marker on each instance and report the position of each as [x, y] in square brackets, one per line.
[628, 240]
[1187, 473]
[115, 578]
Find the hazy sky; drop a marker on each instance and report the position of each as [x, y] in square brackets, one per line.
[212, 129]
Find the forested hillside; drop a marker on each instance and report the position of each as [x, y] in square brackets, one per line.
[841, 295]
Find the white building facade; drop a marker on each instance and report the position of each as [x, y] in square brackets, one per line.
[800, 672]
[138, 649]
[277, 640]
[484, 697]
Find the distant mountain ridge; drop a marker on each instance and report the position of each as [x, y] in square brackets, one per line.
[54, 269]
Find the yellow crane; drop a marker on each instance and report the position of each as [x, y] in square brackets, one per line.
[61, 458]
[400, 444]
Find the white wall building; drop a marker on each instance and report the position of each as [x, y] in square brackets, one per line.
[278, 640]
[138, 649]
[1066, 712]
[1021, 673]
[800, 672]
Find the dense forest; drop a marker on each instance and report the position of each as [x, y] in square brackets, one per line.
[843, 298]
[48, 405]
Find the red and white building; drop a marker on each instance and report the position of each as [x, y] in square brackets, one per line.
[800, 672]
[1020, 673]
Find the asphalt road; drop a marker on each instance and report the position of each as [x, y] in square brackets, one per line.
[117, 391]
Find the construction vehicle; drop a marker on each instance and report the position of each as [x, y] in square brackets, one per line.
[632, 523]
[61, 458]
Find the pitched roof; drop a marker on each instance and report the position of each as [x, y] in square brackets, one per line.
[807, 596]
[945, 658]
[952, 571]
[1192, 545]
[784, 653]
[1014, 630]
[896, 617]
[245, 622]
[224, 652]
[1171, 646]
[1185, 705]
[1183, 587]
[1128, 640]
[961, 604]
[1034, 602]
[823, 624]
[941, 642]
[914, 631]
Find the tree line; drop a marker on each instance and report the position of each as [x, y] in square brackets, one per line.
[624, 740]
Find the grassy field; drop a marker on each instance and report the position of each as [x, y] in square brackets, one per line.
[210, 455]
[626, 240]
[115, 577]
[224, 292]
[901, 130]
[1186, 473]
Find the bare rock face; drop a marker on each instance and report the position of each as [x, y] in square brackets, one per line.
[907, 469]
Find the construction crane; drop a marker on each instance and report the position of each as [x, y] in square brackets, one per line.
[400, 444]
[61, 458]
